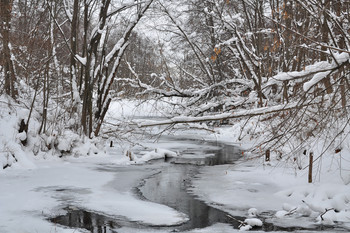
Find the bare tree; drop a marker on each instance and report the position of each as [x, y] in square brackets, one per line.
[284, 60]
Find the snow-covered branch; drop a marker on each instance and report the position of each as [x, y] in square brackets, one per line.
[314, 73]
[223, 116]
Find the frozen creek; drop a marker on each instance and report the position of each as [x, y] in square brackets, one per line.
[166, 182]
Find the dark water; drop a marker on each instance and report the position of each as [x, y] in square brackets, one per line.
[169, 187]
[76, 218]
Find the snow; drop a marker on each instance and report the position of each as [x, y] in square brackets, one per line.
[11, 153]
[157, 154]
[86, 187]
[317, 71]
[101, 181]
[253, 222]
[216, 228]
[131, 109]
[35, 180]
[115, 49]
[309, 70]
[277, 190]
[82, 60]
[341, 57]
[252, 212]
[222, 184]
[275, 187]
[226, 115]
[245, 228]
[315, 79]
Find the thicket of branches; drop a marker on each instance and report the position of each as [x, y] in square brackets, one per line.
[282, 62]
[64, 57]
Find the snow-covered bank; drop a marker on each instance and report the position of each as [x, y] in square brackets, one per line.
[21, 144]
[280, 193]
[11, 151]
[278, 189]
[217, 228]
[44, 191]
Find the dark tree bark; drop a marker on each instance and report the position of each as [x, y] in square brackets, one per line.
[73, 44]
[5, 25]
[86, 118]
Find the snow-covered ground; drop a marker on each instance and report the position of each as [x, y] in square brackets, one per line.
[30, 196]
[279, 194]
[39, 187]
[277, 188]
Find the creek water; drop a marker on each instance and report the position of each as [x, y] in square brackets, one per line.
[166, 185]
[169, 186]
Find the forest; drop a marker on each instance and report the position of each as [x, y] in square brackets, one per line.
[174, 116]
[278, 66]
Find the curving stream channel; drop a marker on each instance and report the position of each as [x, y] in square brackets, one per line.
[168, 184]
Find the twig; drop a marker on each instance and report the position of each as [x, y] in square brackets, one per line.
[326, 210]
[242, 223]
[292, 211]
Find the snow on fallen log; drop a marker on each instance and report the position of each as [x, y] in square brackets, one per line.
[222, 116]
[157, 153]
[253, 222]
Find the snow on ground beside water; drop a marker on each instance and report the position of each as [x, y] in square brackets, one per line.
[189, 150]
[157, 154]
[216, 228]
[84, 186]
[10, 138]
[276, 189]
[280, 186]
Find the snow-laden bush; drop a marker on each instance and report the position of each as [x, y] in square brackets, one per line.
[11, 148]
[18, 147]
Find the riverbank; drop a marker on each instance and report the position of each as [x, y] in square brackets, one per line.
[44, 184]
[279, 188]
[93, 183]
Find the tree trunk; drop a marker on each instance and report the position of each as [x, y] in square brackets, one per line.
[5, 25]
[73, 44]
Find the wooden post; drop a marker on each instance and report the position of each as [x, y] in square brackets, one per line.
[111, 144]
[267, 156]
[310, 166]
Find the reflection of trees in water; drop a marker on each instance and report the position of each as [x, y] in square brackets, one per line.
[86, 220]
